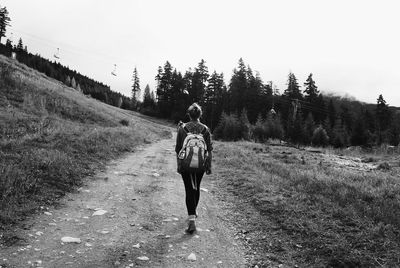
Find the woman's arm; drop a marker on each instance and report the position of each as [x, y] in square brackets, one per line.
[179, 139]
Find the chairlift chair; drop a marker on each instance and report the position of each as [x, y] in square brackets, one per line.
[57, 55]
[114, 72]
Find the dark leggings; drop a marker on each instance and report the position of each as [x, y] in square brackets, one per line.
[192, 188]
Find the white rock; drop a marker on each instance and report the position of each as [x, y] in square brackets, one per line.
[68, 239]
[48, 213]
[99, 212]
[104, 232]
[191, 257]
[136, 246]
[38, 233]
[88, 244]
[220, 262]
[175, 219]
[196, 236]
[204, 189]
[143, 258]
[155, 174]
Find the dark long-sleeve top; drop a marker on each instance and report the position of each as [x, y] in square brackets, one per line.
[194, 127]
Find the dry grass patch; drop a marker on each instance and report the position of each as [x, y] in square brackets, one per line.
[312, 212]
[52, 136]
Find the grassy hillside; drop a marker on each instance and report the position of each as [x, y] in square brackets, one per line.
[312, 208]
[52, 136]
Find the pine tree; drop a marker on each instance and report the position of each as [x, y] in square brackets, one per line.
[320, 137]
[9, 44]
[383, 117]
[292, 93]
[315, 100]
[20, 46]
[73, 82]
[148, 99]
[199, 83]
[68, 81]
[254, 98]
[293, 89]
[135, 86]
[119, 103]
[4, 21]
[78, 88]
[311, 90]
[164, 89]
[214, 99]
[237, 87]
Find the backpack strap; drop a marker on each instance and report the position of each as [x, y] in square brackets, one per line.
[203, 131]
[186, 129]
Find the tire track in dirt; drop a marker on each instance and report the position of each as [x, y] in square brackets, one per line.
[144, 200]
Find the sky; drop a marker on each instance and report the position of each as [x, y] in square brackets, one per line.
[352, 47]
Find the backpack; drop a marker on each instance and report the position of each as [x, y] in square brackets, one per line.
[192, 157]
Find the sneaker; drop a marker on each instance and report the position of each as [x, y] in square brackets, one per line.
[191, 227]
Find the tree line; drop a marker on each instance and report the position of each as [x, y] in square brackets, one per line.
[248, 108]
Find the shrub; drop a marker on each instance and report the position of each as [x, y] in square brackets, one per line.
[258, 130]
[124, 122]
[244, 126]
[320, 137]
[273, 128]
[228, 128]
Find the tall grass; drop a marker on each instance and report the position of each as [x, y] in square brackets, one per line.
[338, 216]
[51, 137]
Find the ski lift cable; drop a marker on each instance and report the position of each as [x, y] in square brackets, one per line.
[306, 107]
[73, 49]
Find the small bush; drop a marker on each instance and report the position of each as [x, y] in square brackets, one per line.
[124, 122]
[320, 137]
[258, 130]
[228, 129]
[383, 166]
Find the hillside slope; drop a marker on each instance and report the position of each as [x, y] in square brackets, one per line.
[51, 136]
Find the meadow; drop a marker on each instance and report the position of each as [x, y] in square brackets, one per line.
[312, 207]
[52, 137]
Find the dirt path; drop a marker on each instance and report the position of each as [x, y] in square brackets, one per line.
[144, 200]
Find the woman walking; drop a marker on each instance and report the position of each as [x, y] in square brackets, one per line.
[193, 149]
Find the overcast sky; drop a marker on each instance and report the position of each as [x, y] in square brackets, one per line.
[350, 46]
